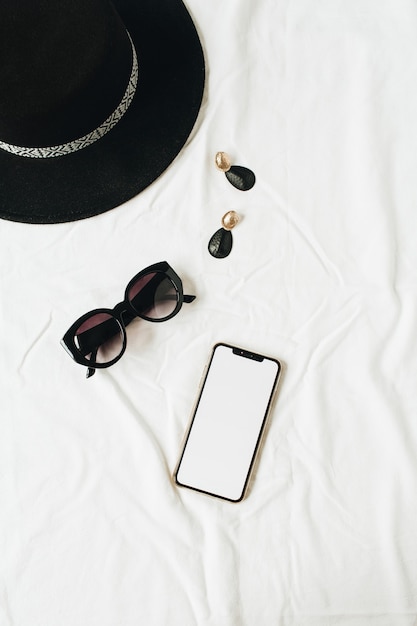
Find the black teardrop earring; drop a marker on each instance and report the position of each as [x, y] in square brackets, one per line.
[240, 177]
[220, 244]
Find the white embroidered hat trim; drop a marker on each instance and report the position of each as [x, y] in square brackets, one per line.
[91, 137]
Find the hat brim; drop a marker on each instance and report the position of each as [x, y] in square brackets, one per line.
[143, 143]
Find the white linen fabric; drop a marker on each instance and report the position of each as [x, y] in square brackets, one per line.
[320, 100]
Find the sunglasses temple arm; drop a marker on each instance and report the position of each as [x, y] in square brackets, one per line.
[189, 298]
[90, 370]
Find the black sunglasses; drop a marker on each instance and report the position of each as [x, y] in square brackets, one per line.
[98, 338]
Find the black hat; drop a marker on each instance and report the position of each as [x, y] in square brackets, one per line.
[96, 100]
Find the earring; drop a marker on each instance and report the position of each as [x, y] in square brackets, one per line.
[240, 177]
[220, 244]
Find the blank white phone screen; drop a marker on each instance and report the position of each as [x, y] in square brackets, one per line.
[227, 424]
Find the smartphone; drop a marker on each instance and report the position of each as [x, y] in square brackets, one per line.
[227, 423]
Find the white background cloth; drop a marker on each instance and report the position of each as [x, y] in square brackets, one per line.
[320, 100]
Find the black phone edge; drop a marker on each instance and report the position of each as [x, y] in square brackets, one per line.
[241, 352]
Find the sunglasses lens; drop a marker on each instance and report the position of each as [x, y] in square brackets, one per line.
[153, 296]
[99, 338]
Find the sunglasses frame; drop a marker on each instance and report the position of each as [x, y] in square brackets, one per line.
[124, 313]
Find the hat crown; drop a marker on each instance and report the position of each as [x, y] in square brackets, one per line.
[64, 67]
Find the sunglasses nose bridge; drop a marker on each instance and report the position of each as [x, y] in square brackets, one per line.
[120, 308]
[124, 313]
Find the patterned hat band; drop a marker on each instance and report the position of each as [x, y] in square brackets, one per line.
[91, 137]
